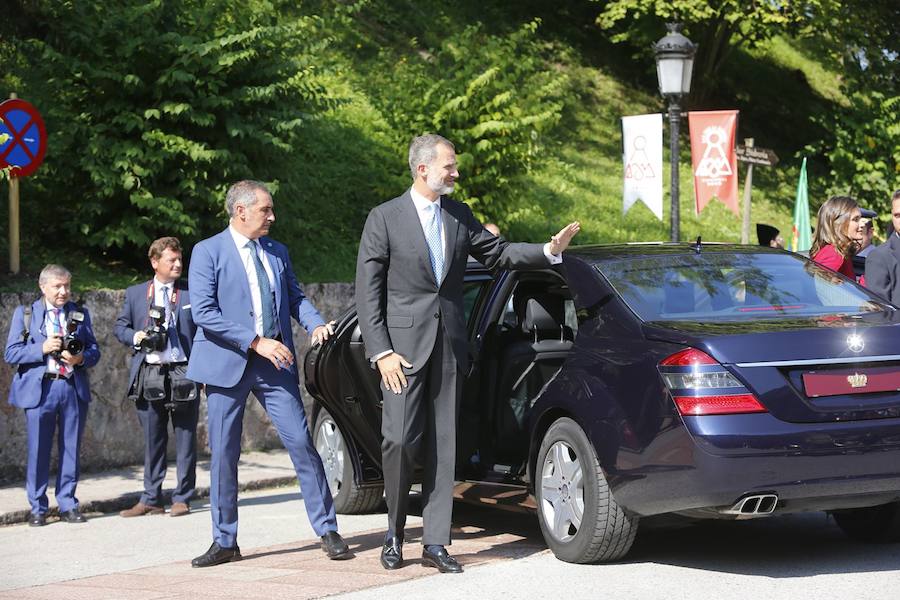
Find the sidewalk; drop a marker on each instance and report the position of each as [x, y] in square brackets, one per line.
[111, 491]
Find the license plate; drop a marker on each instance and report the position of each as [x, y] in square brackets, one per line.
[853, 381]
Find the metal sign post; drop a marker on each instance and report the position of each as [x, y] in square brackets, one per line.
[753, 156]
[23, 143]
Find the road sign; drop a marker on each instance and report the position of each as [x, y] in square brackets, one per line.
[756, 156]
[24, 138]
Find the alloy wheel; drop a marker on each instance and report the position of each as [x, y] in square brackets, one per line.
[562, 491]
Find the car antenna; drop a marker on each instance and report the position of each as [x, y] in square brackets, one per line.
[698, 246]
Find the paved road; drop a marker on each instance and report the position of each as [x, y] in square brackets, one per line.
[793, 557]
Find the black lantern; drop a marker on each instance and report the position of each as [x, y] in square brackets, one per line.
[674, 67]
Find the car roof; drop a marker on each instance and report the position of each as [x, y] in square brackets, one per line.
[605, 252]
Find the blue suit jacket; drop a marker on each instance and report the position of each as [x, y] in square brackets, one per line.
[223, 308]
[133, 317]
[25, 389]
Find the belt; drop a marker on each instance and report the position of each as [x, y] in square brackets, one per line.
[55, 376]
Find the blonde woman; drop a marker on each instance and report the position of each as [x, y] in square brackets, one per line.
[839, 232]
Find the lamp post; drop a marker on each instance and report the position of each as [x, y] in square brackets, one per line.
[674, 65]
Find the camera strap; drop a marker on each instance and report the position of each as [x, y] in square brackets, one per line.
[151, 298]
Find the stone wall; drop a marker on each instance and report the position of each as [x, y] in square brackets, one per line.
[112, 437]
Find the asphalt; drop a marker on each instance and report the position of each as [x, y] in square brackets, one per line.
[111, 491]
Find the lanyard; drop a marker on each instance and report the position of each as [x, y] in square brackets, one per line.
[151, 294]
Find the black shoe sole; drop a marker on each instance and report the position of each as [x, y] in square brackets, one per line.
[221, 562]
[341, 556]
[427, 562]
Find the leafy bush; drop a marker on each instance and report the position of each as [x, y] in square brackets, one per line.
[153, 108]
[494, 96]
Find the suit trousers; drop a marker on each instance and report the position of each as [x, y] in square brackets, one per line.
[59, 405]
[279, 393]
[154, 420]
[419, 428]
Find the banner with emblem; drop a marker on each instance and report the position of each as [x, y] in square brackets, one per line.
[714, 160]
[642, 155]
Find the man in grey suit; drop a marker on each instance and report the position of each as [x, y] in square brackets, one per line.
[409, 296]
[883, 262]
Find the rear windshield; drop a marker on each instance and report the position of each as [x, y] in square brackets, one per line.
[745, 286]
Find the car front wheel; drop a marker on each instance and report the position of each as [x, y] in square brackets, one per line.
[579, 517]
[880, 524]
[349, 498]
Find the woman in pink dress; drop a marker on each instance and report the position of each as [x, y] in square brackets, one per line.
[839, 231]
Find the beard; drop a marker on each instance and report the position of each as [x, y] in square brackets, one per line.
[437, 185]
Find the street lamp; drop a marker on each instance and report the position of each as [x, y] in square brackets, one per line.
[674, 64]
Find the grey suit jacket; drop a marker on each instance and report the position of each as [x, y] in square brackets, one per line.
[883, 270]
[400, 305]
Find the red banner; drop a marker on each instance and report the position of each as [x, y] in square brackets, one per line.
[713, 157]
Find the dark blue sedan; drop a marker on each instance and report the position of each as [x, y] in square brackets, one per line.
[704, 380]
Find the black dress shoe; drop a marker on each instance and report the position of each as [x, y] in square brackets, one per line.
[392, 553]
[72, 516]
[441, 560]
[335, 546]
[216, 555]
[37, 520]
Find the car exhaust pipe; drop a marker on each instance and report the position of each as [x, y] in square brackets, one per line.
[753, 505]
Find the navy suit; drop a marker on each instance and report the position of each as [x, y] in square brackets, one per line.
[153, 416]
[47, 401]
[221, 358]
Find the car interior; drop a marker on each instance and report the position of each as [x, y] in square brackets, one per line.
[529, 337]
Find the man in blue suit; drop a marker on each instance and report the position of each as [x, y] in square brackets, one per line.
[52, 352]
[157, 382]
[244, 293]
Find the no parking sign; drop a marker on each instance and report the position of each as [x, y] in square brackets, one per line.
[23, 138]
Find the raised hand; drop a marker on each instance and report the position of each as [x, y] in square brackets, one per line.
[560, 241]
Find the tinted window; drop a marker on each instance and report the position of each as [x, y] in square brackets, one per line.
[718, 285]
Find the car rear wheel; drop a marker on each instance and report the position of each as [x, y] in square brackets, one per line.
[880, 524]
[348, 497]
[579, 517]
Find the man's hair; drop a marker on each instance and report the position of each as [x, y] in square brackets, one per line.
[423, 150]
[53, 271]
[896, 196]
[243, 193]
[161, 245]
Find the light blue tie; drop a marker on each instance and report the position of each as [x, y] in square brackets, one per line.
[265, 291]
[433, 237]
[174, 346]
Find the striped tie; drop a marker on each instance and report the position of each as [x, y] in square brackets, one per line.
[433, 237]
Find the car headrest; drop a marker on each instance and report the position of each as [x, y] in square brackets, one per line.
[544, 314]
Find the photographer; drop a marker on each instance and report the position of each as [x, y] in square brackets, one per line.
[156, 322]
[51, 343]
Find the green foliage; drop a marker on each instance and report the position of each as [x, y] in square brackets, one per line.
[494, 96]
[153, 108]
[865, 155]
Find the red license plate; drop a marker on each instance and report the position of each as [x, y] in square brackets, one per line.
[855, 381]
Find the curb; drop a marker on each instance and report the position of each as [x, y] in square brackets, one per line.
[114, 505]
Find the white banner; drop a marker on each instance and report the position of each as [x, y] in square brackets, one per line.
[642, 147]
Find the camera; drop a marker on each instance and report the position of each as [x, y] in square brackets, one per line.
[157, 335]
[70, 343]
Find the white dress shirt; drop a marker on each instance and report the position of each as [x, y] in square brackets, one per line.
[169, 354]
[250, 267]
[50, 327]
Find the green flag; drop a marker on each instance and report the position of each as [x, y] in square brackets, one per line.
[801, 240]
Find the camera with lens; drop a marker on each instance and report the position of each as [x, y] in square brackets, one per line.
[157, 335]
[70, 343]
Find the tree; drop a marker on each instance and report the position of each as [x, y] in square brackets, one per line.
[718, 27]
[153, 108]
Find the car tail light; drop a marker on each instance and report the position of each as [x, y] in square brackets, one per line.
[701, 386]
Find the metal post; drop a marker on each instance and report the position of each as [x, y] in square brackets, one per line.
[13, 224]
[674, 118]
[13, 218]
[748, 183]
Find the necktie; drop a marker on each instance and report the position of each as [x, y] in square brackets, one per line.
[174, 347]
[57, 327]
[433, 237]
[265, 291]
